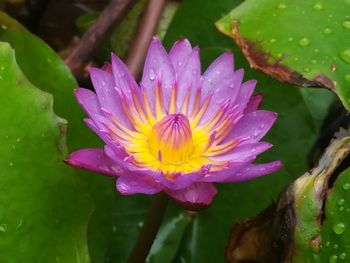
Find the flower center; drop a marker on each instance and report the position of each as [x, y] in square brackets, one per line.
[171, 139]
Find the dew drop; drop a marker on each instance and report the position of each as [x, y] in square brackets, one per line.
[179, 63]
[306, 70]
[316, 50]
[339, 228]
[314, 61]
[11, 163]
[346, 186]
[3, 228]
[346, 24]
[335, 246]
[345, 55]
[341, 201]
[304, 42]
[328, 244]
[114, 228]
[333, 259]
[347, 77]
[4, 27]
[341, 208]
[279, 55]
[152, 75]
[342, 256]
[272, 40]
[318, 7]
[290, 39]
[282, 6]
[327, 31]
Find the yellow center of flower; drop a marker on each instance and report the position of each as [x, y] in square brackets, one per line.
[171, 139]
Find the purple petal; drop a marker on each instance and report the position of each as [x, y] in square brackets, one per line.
[158, 64]
[108, 97]
[244, 152]
[189, 78]
[123, 79]
[88, 100]
[254, 170]
[94, 160]
[253, 125]
[134, 183]
[194, 196]
[254, 103]
[217, 72]
[246, 91]
[179, 54]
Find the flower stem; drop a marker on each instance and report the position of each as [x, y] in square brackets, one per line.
[149, 229]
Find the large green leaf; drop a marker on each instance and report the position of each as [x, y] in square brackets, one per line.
[45, 69]
[292, 135]
[44, 205]
[301, 42]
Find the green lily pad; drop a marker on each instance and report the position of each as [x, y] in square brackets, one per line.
[46, 70]
[302, 42]
[292, 135]
[44, 205]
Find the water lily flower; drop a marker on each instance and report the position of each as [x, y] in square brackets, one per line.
[177, 131]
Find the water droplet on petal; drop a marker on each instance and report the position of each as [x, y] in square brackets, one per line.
[339, 228]
[345, 55]
[346, 24]
[152, 75]
[304, 42]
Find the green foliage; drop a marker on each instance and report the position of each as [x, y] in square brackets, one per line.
[292, 135]
[44, 205]
[302, 42]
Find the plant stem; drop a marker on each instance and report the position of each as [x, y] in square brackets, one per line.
[149, 229]
[145, 31]
[96, 34]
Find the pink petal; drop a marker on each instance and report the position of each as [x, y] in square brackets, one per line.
[122, 76]
[245, 93]
[179, 54]
[253, 125]
[134, 183]
[158, 64]
[94, 160]
[189, 78]
[254, 103]
[253, 171]
[108, 97]
[88, 100]
[194, 197]
[244, 152]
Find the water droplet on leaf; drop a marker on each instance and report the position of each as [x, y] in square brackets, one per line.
[346, 24]
[339, 228]
[345, 55]
[346, 186]
[318, 7]
[347, 78]
[327, 31]
[282, 6]
[333, 259]
[304, 42]
[341, 201]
